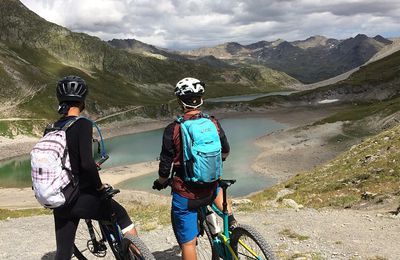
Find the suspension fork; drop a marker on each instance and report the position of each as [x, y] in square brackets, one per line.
[91, 229]
[97, 245]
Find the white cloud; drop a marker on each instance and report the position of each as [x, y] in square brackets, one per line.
[198, 23]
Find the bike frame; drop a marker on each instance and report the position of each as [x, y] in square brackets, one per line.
[222, 241]
[110, 232]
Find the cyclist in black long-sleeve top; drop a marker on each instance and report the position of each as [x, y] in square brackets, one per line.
[71, 94]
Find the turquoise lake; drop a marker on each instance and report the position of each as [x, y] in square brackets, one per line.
[146, 146]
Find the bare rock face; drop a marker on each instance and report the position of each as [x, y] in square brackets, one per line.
[314, 59]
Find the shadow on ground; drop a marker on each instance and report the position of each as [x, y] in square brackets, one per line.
[169, 254]
[49, 256]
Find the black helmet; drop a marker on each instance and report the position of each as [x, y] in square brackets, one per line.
[71, 88]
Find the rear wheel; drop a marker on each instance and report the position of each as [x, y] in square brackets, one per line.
[249, 244]
[136, 249]
[85, 247]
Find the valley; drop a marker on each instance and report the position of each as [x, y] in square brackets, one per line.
[315, 129]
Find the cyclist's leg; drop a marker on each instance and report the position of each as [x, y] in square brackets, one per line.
[65, 235]
[218, 202]
[219, 199]
[123, 218]
[185, 226]
[189, 250]
[90, 206]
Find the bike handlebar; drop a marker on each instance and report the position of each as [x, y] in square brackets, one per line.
[109, 192]
[101, 161]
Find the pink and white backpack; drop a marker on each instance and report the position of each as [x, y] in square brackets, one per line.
[52, 179]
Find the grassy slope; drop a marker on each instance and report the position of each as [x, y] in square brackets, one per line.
[384, 72]
[26, 33]
[34, 54]
[370, 166]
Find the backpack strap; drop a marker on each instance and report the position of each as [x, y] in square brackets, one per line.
[180, 119]
[71, 122]
[204, 115]
[64, 157]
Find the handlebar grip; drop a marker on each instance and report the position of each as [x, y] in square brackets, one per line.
[102, 160]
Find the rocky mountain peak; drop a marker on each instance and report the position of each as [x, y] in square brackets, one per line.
[312, 42]
[233, 47]
[277, 42]
[381, 39]
[258, 45]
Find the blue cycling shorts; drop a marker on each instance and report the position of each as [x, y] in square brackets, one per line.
[184, 220]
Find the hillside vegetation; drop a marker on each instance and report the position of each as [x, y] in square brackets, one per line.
[35, 53]
[377, 81]
[368, 172]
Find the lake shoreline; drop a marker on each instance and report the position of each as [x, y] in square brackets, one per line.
[262, 165]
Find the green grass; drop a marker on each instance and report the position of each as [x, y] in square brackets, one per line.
[7, 213]
[360, 111]
[378, 72]
[11, 129]
[148, 217]
[293, 235]
[369, 167]
[307, 255]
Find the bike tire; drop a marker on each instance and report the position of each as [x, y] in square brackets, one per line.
[144, 252]
[254, 240]
[205, 248]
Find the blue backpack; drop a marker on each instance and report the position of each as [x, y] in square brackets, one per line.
[201, 148]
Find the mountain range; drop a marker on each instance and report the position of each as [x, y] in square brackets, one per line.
[35, 53]
[311, 60]
[314, 59]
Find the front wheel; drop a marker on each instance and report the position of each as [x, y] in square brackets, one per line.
[135, 248]
[249, 244]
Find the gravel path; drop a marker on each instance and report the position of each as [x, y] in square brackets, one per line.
[327, 234]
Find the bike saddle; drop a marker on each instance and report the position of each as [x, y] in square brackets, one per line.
[226, 183]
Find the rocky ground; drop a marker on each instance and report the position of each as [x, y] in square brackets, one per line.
[293, 234]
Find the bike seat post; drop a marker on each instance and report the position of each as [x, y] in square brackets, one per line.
[224, 200]
[225, 210]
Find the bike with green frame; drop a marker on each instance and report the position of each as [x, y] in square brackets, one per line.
[243, 242]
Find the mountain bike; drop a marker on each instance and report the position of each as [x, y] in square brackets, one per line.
[92, 236]
[243, 242]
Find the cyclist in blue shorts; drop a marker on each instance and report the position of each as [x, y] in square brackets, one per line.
[187, 197]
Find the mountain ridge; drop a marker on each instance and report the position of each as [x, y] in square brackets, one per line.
[313, 59]
[35, 53]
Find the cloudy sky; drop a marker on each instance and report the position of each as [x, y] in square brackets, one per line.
[187, 24]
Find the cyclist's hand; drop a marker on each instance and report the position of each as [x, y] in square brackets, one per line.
[105, 187]
[157, 185]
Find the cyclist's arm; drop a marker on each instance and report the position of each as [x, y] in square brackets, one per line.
[167, 153]
[224, 142]
[87, 163]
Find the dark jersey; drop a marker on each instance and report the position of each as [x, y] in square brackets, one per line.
[79, 142]
[171, 158]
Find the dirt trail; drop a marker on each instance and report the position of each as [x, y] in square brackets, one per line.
[327, 234]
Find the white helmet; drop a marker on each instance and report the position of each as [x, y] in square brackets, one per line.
[190, 87]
